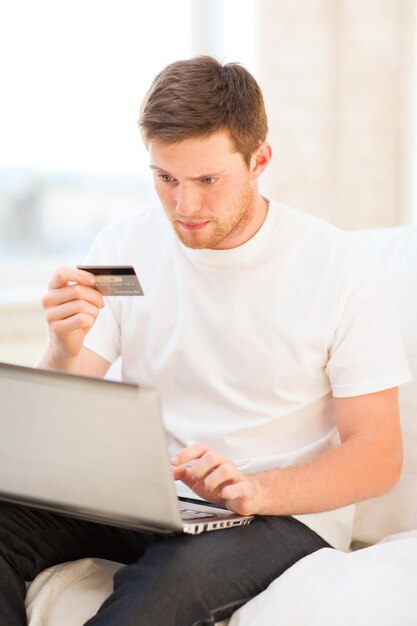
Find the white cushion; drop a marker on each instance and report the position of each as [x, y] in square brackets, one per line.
[70, 593]
[396, 511]
[375, 586]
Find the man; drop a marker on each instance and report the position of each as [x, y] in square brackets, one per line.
[270, 340]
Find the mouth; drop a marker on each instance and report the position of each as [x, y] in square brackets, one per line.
[193, 226]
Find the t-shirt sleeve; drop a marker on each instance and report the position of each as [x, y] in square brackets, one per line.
[366, 354]
[104, 338]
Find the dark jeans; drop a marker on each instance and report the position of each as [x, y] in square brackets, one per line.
[179, 580]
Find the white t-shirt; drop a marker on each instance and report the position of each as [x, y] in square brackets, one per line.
[248, 346]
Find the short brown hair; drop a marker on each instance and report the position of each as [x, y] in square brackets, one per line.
[199, 97]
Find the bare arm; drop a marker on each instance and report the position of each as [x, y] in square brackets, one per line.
[366, 464]
[71, 309]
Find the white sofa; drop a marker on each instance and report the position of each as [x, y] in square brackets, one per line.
[373, 585]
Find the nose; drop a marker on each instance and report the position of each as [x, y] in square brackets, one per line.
[187, 200]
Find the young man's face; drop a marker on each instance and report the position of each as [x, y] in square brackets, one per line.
[208, 192]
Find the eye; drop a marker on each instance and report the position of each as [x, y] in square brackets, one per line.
[166, 178]
[208, 180]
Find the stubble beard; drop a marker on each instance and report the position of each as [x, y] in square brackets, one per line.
[219, 230]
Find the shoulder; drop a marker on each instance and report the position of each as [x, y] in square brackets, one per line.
[303, 227]
[322, 247]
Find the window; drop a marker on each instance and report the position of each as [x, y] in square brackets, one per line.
[71, 156]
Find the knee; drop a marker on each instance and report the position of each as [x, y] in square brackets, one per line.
[165, 562]
[162, 588]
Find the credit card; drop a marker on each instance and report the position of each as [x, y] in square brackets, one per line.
[115, 280]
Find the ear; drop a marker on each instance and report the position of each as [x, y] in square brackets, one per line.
[260, 159]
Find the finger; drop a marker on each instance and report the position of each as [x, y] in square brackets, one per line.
[64, 275]
[74, 292]
[227, 472]
[236, 490]
[209, 461]
[69, 309]
[188, 454]
[178, 472]
[81, 321]
[182, 473]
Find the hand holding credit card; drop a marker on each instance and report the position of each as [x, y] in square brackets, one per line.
[115, 280]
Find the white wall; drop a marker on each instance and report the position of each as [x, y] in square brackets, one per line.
[339, 81]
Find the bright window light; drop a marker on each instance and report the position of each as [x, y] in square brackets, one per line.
[73, 77]
[74, 74]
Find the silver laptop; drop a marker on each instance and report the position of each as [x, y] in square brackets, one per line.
[93, 449]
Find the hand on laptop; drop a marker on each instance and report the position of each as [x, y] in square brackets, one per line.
[217, 479]
[71, 308]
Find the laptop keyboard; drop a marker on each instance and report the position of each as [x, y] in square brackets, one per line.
[189, 514]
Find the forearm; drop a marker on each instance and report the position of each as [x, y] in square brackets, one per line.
[350, 472]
